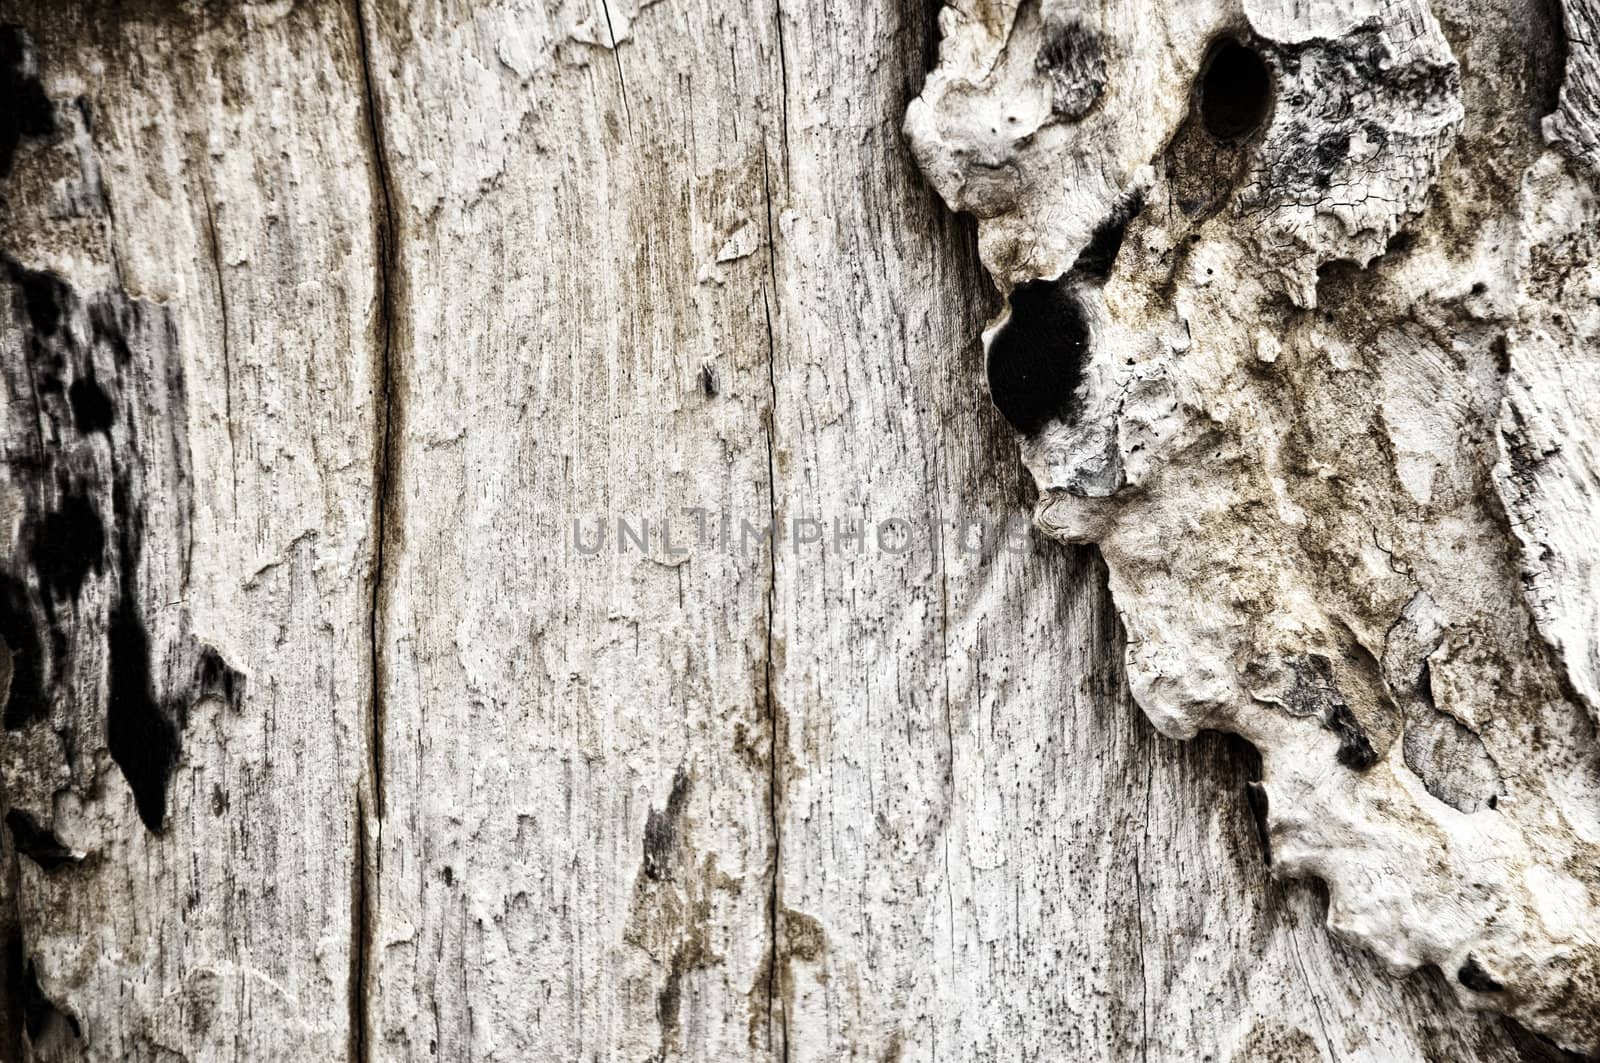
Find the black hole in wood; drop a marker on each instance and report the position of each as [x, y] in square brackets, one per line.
[1235, 91]
[36, 841]
[91, 407]
[27, 111]
[1474, 977]
[1036, 360]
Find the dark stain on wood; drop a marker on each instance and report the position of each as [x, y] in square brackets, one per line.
[1094, 262]
[38, 843]
[661, 830]
[1072, 58]
[1355, 749]
[1474, 977]
[1256, 796]
[27, 112]
[94, 445]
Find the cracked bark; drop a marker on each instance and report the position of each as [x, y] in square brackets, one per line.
[420, 284]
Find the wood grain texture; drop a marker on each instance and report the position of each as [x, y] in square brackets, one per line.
[554, 200]
[1283, 389]
[442, 278]
[176, 225]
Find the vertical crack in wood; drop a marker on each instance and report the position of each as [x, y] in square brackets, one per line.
[369, 860]
[783, 127]
[775, 781]
[361, 933]
[616, 57]
[383, 504]
[215, 247]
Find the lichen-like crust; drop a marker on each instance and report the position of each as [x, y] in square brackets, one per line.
[1329, 404]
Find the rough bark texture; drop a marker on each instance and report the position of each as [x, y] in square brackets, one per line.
[1304, 344]
[323, 738]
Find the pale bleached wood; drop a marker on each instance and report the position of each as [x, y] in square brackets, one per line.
[800, 803]
[1004, 860]
[210, 179]
[555, 200]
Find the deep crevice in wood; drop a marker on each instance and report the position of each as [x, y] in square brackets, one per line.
[369, 861]
[776, 967]
[361, 934]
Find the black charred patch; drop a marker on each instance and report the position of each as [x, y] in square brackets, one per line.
[141, 738]
[214, 678]
[40, 1014]
[1095, 261]
[1235, 91]
[26, 111]
[109, 328]
[38, 842]
[1400, 243]
[1073, 58]
[1306, 158]
[1331, 150]
[44, 296]
[26, 701]
[68, 543]
[1313, 692]
[661, 830]
[91, 408]
[1355, 751]
[1036, 359]
[1329, 106]
[1474, 977]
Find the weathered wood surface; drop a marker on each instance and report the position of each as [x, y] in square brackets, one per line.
[415, 286]
[1300, 333]
[195, 238]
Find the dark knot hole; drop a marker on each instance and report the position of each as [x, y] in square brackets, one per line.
[1235, 91]
[1036, 359]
